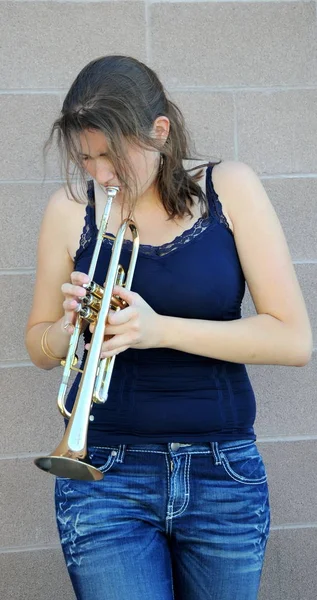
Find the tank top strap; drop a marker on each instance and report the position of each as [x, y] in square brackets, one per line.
[214, 203]
[89, 228]
[90, 208]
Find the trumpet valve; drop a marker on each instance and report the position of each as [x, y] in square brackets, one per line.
[95, 289]
[92, 301]
[117, 303]
[88, 313]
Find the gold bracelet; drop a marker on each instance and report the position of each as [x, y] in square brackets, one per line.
[44, 343]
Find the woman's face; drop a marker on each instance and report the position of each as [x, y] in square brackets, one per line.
[96, 161]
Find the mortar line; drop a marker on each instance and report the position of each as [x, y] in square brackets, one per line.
[269, 176]
[235, 128]
[148, 38]
[179, 88]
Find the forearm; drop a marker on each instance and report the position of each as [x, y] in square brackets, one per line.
[260, 339]
[57, 341]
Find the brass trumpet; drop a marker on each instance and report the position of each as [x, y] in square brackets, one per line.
[70, 459]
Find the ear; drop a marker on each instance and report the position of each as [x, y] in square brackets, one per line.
[160, 129]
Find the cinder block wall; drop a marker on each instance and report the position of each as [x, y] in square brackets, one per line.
[245, 74]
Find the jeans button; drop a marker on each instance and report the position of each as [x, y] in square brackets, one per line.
[174, 446]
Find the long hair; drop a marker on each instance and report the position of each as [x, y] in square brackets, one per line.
[121, 97]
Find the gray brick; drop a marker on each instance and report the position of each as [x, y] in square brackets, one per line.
[28, 396]
[25, 125]
[35, 575]
[233, 44]
[294, 200]
[27, 504]
[286, 399]
[17, 293]
[68, 36]
[291, 470]
[277, 130]
[290, 566]
[210, 121]
[22, 208]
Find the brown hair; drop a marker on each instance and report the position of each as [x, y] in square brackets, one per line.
[122, 97]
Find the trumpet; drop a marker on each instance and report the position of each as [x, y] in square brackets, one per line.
[70, 458]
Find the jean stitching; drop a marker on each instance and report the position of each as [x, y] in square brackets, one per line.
[172, 491]
[168, 474]
[167, 521]
[190, 453]
[186, 486]
[129, 449]
[108, 464]
[246, 445]
[147, 451]
[103, 447]
[121, 453]
[240, 478]
[215, 451]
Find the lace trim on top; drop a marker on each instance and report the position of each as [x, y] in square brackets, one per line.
[221, 216]
[181, 240]
[201, 225]
[86, 235]
[89, 228]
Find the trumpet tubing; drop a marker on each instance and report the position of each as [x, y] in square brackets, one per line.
[69, 459]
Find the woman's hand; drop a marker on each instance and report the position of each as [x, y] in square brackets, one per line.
[74, 292]
[136, 326]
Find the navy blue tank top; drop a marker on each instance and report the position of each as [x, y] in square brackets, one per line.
[161, 395]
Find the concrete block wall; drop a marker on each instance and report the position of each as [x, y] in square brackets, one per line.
[245, 75]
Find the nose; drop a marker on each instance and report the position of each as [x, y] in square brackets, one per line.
[104, 172]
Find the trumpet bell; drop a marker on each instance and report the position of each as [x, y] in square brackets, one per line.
[69, 467]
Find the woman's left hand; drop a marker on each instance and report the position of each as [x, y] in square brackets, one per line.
[136, 326]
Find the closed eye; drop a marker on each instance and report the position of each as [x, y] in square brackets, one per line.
[84, 157]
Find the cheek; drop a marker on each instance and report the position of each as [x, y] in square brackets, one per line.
[148, 167]
[145, 165]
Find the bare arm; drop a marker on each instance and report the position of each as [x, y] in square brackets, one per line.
[280, 333]
[54, 268]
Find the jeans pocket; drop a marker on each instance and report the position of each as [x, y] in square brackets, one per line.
[102, 458]
[244, 464]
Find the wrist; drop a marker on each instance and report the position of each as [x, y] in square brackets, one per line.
[46, 349]
[164, 330]
[55, 340]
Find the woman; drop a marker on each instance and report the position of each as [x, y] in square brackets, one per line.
[183, 509]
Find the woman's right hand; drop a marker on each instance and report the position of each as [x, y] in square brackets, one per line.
[73, 293]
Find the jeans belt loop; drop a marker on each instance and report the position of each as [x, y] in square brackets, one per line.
[215, 452]
[121, 453]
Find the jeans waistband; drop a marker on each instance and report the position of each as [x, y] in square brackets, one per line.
[178, 448]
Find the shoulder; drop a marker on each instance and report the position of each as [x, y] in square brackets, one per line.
[64, 209]
[63, 201]
[64, 218]
[231, 175]
[239, 188]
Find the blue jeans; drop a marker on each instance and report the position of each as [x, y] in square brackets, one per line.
[167, 522]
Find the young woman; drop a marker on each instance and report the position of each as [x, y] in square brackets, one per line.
[183, 510]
